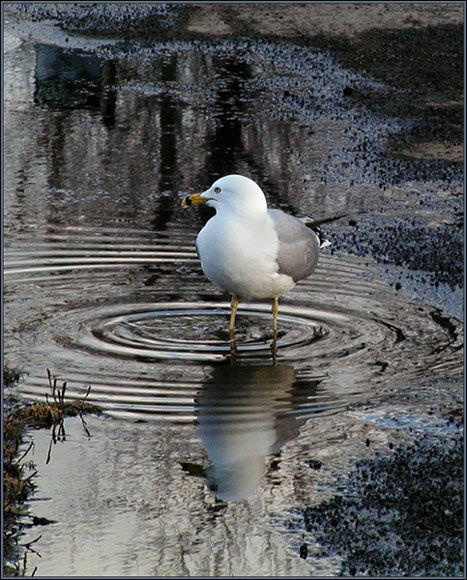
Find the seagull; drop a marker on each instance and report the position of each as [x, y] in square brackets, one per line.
[251, 251]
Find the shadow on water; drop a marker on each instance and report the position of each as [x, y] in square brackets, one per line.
[67, 80]
[103, 285]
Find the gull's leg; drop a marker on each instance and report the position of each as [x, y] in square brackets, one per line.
[273, 348]
[233, 349]
[233, 312]
[275, 311]
[233, 344]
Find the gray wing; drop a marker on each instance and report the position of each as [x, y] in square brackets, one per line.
[298, 246]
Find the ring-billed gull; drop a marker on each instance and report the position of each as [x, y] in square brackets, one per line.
[249, 250]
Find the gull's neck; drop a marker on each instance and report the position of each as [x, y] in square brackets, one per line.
[246, 215]
[255, 211]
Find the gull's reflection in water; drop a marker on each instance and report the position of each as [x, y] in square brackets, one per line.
[246, 413]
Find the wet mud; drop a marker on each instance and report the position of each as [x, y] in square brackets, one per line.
[398, 516]
[114, 113]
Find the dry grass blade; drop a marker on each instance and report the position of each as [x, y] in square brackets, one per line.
[26, 452]
[87, 393]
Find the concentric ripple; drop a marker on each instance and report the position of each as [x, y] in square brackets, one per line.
[131, 315]
[195, 331]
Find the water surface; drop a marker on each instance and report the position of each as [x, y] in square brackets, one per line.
[104, 288]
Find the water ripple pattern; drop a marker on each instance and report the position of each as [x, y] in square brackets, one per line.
[131, 314]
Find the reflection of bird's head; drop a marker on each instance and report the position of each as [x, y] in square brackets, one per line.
[235, 481]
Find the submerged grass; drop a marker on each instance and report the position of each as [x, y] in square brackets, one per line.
[18, 472]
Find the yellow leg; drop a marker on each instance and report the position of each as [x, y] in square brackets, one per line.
[275, 311]
[233, 312]
[273, 347]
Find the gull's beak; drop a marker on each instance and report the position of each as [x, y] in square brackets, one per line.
[194, 199]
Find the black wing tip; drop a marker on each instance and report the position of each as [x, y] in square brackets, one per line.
[312, 223]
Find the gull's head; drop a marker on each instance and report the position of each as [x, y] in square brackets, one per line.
[232, 193]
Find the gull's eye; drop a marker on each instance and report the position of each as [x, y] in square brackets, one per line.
[217, 190]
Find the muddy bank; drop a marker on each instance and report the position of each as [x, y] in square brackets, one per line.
[400, 515]
[417, 48]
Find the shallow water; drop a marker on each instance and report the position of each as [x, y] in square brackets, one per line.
[142, 326]
[103, 287]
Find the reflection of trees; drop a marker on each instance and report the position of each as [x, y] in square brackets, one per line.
[122, 138]
[225, 145]
[170, 114]
[67, 79]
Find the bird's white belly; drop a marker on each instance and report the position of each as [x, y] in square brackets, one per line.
[242, 261]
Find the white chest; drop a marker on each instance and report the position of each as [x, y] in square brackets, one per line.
[240, 257]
